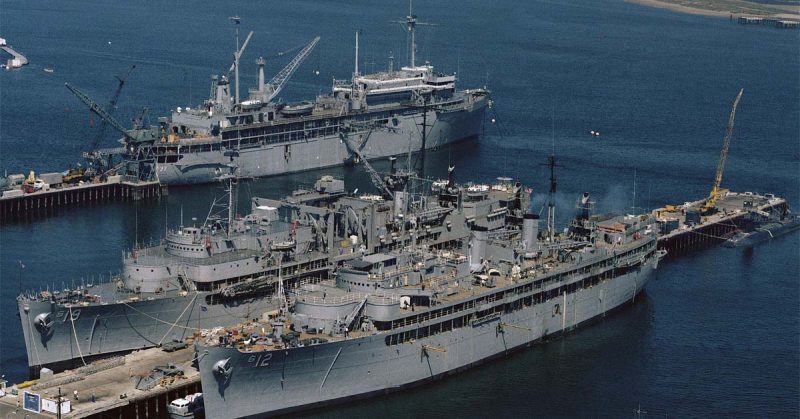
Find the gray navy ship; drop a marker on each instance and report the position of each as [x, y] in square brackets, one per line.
[259, 136]
[415, 313]
[227, 271]
[197, 277]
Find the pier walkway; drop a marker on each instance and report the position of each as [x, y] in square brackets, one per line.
[115, 388]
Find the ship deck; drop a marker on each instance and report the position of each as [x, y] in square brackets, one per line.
[449, 290]
[158, 256]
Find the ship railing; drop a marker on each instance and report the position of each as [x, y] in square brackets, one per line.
[339, 299]
[66, 293]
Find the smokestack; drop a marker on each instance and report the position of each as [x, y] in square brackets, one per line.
[530, 231]
[356, 71]
[261, 62]
[584, 210]
[477, 251]
[392, 169]
[450, 175]
[400, 203]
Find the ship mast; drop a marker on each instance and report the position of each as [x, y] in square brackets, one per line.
[236, 22]
[237, 55]
[551, 206]
[412, 23]
[232, 200]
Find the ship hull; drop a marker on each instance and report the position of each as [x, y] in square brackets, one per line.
[80, 333]
[268, 383]
[444, 127]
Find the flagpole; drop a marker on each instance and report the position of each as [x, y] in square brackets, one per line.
[21, 267]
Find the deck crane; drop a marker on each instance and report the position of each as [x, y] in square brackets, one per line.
[716, 191]
[99, 111]
[96, 155]
[275, 85]
[376, 178]
[110, 108]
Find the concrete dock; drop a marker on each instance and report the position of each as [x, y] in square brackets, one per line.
[18, 60]
[19, 205]
[113, 383]
[685, 228]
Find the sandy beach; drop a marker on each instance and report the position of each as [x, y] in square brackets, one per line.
[724, 8]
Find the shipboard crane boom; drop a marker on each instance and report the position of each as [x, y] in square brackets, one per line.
[97, 109]
[375, 177]
[276, 84]
[716, 192]
[110, 108]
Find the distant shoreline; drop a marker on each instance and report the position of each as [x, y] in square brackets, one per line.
[680, 8]
[747, 9]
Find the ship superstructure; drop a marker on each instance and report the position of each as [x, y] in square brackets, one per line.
[411, 108]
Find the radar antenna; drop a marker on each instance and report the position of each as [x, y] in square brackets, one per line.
[411, 24]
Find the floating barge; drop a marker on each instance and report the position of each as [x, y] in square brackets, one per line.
[685, 227]
[15, 204]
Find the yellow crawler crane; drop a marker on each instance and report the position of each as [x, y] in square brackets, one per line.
[716, 191]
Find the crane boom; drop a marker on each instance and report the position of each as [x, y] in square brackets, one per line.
[238, 54]
[276, 84]
[723, 156]
[373, 174]
[112, 105]
[97, 109]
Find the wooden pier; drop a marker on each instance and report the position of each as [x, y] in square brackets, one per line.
[771, 21]
[111, 388]
[41, 203]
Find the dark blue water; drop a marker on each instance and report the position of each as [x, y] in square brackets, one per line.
[718, 332]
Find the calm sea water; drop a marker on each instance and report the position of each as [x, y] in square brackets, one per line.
[718, 331]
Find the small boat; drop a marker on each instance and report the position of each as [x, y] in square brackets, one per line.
[186, 407]
[297, 109]
[283, 246]
[766, 231]
[48, 69]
